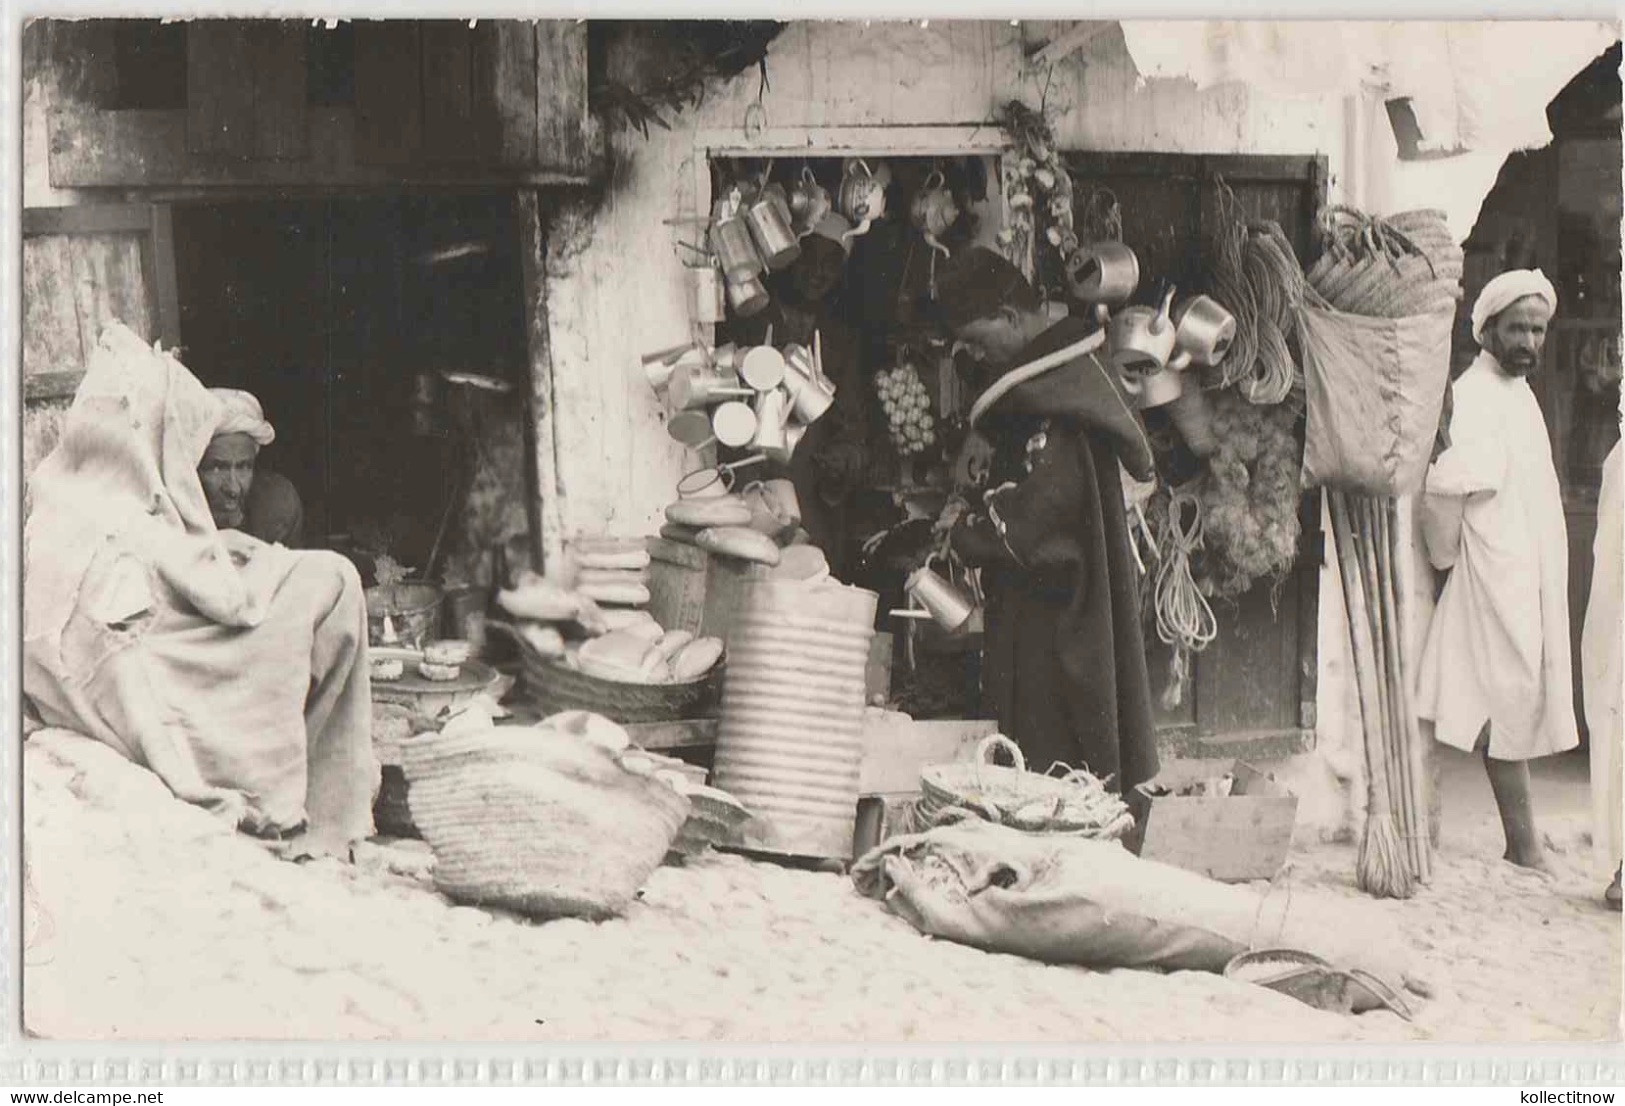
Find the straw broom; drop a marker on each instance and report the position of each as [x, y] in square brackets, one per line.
[1381, 868]
[1379, 590]
[1410, 730]
[1365, 543]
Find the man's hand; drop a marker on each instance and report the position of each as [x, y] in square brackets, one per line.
[952, 512]
[242, 547]
[974, 462]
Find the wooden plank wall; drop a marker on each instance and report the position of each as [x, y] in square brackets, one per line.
[501, 102]
[73, 286]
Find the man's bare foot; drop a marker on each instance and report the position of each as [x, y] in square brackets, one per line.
[308, 847]
[1534, 860]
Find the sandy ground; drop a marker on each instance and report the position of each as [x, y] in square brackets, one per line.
[147, 920]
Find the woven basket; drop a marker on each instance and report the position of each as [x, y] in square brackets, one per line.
[540, 820]
[552, 686]
[1076, 804]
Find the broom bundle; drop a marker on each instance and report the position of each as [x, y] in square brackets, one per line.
[1395, 850]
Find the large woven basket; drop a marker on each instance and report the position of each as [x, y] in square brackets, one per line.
[539, 821]
[552, 686]
[1076, 804]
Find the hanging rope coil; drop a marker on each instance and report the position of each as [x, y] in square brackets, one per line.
[1257, 277]
[1185, 620]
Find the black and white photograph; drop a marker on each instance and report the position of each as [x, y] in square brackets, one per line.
[751, 532]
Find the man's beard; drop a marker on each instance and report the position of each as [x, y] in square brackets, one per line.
[1519, 364]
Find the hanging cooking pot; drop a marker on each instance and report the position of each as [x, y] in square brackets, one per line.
[769, 221]
[772, 417]
[734, 424]
[712, 483]
[692, 387]
[762, 368]
[1203, 330]
[691, 428]
[1142, 339]
[731, 241]
[934, 211]
[747, 297]
[710, 298]
[863, 197]
[809, 202]
[810, 394]
[1105, 273]
[1161, 388]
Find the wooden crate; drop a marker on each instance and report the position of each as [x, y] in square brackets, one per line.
[1242, 836]
[694, 590]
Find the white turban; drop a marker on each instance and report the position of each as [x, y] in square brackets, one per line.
[241, 413]
[1506, 290]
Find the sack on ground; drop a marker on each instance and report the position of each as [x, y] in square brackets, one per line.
[557, 819]
[1374, 390]
[1068, 900]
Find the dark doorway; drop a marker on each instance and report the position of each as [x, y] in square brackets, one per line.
[341, 315]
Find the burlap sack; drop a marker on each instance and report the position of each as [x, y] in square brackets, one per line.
[1374, 388]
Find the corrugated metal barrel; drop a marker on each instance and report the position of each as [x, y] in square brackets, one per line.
[790, 744]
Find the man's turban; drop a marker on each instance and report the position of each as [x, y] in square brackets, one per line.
[241, 413]
[1506, 290]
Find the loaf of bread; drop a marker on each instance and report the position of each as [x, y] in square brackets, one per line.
[696, 659]
[722, 510]
[631, 595]
[740, 542]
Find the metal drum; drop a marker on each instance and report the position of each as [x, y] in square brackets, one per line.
[790, 743]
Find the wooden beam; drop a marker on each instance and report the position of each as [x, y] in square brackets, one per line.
[549, 541]
[506, 113]
[986, 138]
[87, 219]
[165, 290]
[1065, 45]
[562, 120]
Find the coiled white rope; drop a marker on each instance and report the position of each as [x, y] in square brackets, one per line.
[1185, 621]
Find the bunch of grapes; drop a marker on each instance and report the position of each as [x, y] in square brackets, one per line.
[908, 409]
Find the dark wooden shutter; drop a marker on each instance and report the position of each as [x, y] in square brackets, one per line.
[1256, 681]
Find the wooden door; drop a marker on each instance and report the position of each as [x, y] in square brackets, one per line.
[1256, 681]
[83, 268]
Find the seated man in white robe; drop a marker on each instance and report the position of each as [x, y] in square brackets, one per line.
[235, 670]
[1496, 673]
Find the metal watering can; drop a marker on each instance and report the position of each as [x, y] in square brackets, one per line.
[935, 597]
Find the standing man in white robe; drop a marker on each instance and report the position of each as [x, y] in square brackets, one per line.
[1496, 673]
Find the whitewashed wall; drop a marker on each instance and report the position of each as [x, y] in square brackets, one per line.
[623, 292]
